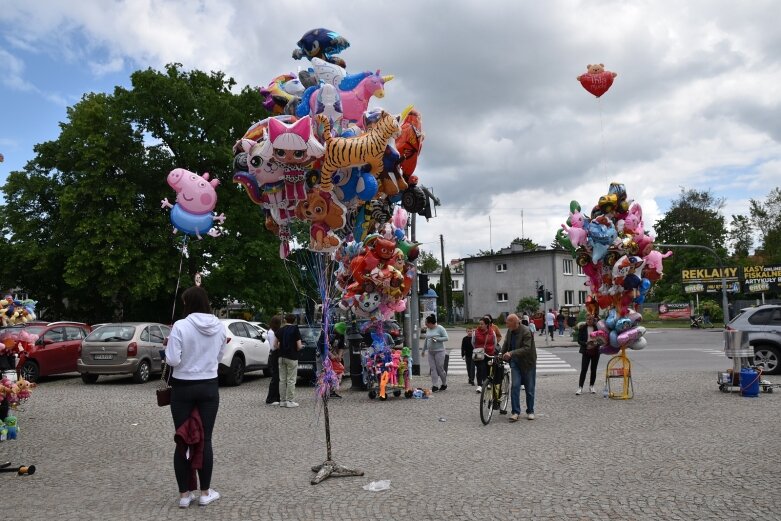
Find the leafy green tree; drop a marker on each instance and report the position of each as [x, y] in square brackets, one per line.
[428, 263]
[84, 220]
[740, 236]
[693, 218]
[766, 219]
[447, 279]
[528, 244]
[529, 303]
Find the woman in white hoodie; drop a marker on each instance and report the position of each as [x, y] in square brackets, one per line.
[194, 349]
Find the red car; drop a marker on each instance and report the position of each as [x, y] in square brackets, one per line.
[56, 350]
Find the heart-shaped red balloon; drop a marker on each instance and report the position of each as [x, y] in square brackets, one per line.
[597, 84]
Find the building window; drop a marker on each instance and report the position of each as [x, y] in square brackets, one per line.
[567, 266]
[501, 297]
[582, 297]
[569, 296]
[454, 284]
[501, 267]
[580, 270]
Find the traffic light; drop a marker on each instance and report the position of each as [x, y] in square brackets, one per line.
[541, 294]
[422, 282]
[548, 295]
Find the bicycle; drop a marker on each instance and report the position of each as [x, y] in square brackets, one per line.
[496, 389]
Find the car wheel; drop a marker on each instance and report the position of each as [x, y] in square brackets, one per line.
[89, 378]
[30, 371]
[768, 357]
[236, 372]
[142, 373]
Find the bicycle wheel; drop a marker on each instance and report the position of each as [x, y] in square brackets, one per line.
[504, 397]
[486, 402]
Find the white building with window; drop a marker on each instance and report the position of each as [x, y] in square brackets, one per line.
[494, 284]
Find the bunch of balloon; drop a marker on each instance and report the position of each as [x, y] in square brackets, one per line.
[325, 158]
[375, 275]
[620, 263]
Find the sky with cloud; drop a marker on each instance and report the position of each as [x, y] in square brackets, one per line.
[511, 136]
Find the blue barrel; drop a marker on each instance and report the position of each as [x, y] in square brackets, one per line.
[749, 382]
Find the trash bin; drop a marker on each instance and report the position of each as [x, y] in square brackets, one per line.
[736, 344]
[354, 345]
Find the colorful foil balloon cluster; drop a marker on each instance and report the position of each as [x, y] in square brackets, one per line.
[619, 260]
[376, 275]
[324, 157]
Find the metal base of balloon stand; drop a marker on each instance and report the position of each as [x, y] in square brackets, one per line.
[618, 379]
[329, 468]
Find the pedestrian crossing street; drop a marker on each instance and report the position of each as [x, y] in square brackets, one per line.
[547, 363]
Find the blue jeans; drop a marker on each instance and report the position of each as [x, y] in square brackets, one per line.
[528, 379]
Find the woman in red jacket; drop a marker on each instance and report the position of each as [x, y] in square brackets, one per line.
[484, 338]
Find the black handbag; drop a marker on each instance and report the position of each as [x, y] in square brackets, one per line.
[164, 392]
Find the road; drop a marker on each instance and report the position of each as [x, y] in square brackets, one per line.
[668, 351]
[681, 449]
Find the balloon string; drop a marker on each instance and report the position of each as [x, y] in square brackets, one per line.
[178, 278]
[602, 136]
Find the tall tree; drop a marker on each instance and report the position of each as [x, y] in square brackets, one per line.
[694, 218]
[428, 263]
[84, 220]
[766, 219]
[740, 236]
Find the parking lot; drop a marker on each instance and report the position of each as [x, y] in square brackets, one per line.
[679, 450]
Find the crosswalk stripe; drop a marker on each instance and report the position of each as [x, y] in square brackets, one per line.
[547, 363]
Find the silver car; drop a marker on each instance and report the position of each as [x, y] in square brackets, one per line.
[123, 348]
[763, 324]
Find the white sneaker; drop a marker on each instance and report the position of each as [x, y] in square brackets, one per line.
[530, 416]
[291, 404]
[593, 391]
[185, 501]
[478, 389]
[283, 404]
[212, 496]
[579, 391]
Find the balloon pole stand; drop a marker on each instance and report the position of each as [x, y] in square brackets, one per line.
[618, 377]
[329, 468]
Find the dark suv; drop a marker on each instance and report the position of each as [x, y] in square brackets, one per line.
[388, 326]
[763, 325]
[308, 363]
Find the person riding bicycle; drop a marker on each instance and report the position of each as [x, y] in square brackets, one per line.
[518, 348]
[484, 338]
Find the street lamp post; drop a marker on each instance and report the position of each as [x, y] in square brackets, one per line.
[724, 303]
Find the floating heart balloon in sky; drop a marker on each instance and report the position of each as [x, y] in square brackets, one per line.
[597, 80]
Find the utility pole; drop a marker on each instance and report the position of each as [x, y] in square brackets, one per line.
[412, 320]
[442, 279]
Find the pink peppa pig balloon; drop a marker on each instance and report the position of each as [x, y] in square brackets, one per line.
[195, 200]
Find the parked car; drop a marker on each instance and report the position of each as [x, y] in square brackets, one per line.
[763, 324]
[246, 349]
[122, 348]
[260, 325]
[388, 326]
[308, 361]
[56, 350]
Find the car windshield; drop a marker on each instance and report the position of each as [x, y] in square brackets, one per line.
[740, 314]
[309, 335]
[34, 330]
[112, 333]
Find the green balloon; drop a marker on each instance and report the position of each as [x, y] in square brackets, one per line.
[574, 206]
[340, 327]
